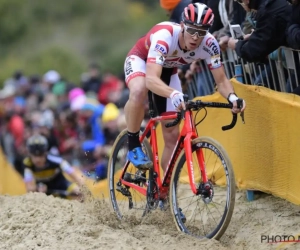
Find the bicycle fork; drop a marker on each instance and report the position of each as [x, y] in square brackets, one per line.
[205, 189]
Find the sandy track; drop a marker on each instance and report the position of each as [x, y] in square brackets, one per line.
[35, 221]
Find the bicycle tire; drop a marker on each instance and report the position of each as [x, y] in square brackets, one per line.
[113, 168]
[206, 144]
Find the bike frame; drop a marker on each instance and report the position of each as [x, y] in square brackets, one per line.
[186, 135]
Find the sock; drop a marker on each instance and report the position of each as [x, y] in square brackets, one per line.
[133, 140]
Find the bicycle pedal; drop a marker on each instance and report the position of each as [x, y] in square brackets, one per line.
[138, 178]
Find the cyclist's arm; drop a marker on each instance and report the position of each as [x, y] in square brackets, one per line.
[29, 180]
[160, 44]
[153, 81]
[224, 85]
[215, 65]
[70, 171]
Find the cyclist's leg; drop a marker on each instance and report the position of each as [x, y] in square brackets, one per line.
[170, 135]
[134, 109]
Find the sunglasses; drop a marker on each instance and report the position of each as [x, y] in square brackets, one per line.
[193, 31]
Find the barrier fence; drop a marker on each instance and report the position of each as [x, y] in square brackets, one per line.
[278, 72]
[281, 73]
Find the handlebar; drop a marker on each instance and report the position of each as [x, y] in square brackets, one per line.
[175, 122]
[196, 105]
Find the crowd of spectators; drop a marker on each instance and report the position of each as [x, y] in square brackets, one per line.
[79, 120]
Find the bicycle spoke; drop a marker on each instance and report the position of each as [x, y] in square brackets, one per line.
[207, 214]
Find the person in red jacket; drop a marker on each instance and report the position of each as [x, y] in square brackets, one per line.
[110, 90]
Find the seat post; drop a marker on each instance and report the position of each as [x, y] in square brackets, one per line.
[151, 105]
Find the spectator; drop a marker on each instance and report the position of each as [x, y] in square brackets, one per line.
[110, 121]
[67, 135]
[60, 91]
[76, 98]
[110, 90]
[45, 128]
[293, 31]
[50, 78]
[227, 12]
[174, 8]
[271, 21]
[93, 111]
[94, 148]
[92, 80]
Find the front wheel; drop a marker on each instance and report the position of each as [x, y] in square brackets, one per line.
[205, 214]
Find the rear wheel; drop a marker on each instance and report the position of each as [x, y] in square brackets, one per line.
[207, 214]
[119, 194]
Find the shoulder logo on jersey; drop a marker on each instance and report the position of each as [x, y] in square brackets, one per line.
[161, 49]
[215, 61]
[211, 43]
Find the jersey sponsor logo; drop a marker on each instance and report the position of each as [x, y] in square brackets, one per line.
[192, 53]
[206, 49]
[161, 49]
[128, 66]
[210, 43]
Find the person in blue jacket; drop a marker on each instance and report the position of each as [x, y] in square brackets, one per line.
[93, 111]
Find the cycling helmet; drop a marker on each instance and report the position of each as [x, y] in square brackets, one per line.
[37, 145]
[198, 14]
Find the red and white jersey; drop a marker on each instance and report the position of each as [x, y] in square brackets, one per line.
[161, 46]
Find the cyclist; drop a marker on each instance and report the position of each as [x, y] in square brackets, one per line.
[44, 172]
[152, 65]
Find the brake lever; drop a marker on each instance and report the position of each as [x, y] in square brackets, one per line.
[242, 117]
[182, 113]
[239, 103]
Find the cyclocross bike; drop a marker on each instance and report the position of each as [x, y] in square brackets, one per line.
[198, 182]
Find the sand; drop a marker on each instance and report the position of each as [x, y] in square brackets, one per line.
[37, 221]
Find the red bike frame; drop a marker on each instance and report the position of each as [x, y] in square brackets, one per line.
[186, 135]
